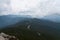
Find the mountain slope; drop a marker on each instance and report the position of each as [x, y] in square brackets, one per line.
[48, 29]
[24, 34]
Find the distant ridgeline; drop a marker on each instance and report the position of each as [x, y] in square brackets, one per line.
[10, 19]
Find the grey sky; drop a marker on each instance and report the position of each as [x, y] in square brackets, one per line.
[36, 8]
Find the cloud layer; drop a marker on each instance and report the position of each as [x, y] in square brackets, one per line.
[35, 8]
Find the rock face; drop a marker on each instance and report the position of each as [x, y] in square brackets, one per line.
[4, 36]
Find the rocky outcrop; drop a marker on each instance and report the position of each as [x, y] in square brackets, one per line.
[4, 36]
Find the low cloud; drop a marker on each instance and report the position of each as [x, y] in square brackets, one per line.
[34, 8]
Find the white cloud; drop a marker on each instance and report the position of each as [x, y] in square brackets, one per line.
[36, 8]
[23, 5]
[4, 7]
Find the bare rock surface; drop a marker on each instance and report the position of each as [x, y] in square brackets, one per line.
[4, 36]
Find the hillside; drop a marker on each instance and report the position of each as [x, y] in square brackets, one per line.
[48, 30]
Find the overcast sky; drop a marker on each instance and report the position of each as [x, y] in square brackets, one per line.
[35, 8]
